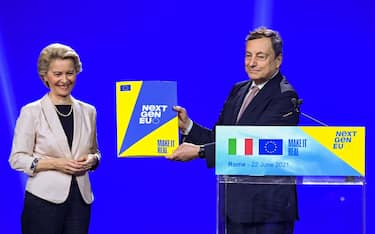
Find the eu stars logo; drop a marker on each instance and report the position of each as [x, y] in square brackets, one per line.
[124, 88]
[270, 146]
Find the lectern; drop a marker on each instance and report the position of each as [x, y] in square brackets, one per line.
[326, 164]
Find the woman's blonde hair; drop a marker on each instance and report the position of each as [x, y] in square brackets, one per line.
[56, 51]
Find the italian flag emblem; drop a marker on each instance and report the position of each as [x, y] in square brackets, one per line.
[240, 146]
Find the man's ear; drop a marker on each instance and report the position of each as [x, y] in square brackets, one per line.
[279, 60]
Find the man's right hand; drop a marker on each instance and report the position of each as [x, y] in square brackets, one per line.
[183, 118]
[185, 152]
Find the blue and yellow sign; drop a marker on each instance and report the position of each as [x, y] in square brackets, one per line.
[290, 151]
[146, 123]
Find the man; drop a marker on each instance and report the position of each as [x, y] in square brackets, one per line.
[265, 99]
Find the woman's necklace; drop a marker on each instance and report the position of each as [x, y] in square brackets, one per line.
[64, 115]
[57, 110]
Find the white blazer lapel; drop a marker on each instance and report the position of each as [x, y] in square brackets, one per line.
[78, 115]
[55, 126]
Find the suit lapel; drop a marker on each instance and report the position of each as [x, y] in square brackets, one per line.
[55, 126]
[266, 92]
[261, 97]
[77, 126]
[240, 98]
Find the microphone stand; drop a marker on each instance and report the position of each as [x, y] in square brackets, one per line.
[313, 119]
[297, 104]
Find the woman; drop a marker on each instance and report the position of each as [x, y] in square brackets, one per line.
[55, 145]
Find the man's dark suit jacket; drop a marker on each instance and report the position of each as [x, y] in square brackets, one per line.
[272, 106]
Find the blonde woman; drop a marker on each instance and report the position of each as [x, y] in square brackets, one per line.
[55, 145]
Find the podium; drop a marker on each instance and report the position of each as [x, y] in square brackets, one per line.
[325, 166]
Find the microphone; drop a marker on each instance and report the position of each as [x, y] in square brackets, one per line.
[297, 103]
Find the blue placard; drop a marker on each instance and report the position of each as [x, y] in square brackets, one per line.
[290, 151]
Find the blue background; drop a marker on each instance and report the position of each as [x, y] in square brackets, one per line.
[328, 57]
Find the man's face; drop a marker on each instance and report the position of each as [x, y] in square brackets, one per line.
[260, 61]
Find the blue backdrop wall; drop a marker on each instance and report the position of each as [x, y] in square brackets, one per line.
[328, 57]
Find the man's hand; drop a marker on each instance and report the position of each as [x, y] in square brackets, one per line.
[183, 118]
[185, 152]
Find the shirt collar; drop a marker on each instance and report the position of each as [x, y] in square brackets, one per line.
[260, 86]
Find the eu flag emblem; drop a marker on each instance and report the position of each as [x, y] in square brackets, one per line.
[270, 146]
[125, 88]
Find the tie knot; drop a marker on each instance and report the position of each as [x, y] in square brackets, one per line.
[254, 88]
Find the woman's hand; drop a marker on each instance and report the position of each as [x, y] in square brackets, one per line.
[64, 165]
[88, 161]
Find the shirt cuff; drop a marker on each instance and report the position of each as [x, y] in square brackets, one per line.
[97, 156]
[188, 129]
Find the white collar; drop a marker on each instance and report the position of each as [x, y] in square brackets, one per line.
[260, 86]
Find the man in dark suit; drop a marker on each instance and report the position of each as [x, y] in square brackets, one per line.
[251, 208]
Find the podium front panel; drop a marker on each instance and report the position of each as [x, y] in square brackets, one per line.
[290, 151]
[325, 166]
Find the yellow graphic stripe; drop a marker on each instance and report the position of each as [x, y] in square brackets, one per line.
[149, 144]
[347, 143]
[125, 102]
